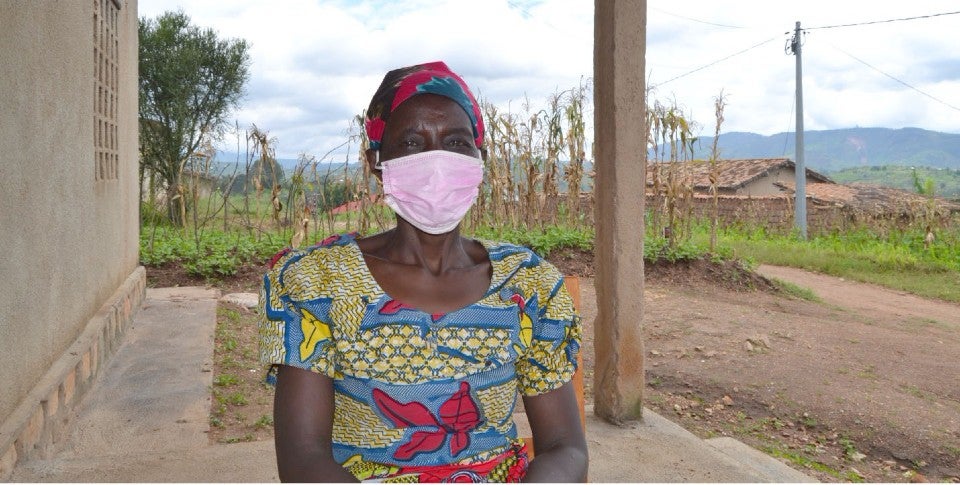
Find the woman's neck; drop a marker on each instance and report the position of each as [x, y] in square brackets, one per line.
[437, 254]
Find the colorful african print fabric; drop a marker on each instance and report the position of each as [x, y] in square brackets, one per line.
[401, 84]
[419, 396]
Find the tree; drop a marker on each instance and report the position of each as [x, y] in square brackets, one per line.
[264, 175]
[190, 80]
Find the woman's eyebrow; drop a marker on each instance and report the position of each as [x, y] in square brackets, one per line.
[461, 130]
[409, 131]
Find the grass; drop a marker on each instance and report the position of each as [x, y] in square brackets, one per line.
[242, 403]
[918, 393]
[797, 291]
[869, 373]
[264, 421]
[211, 253]
[224, 380]
[543, 240]
[921, 322]
[803, 461]
[897, 260]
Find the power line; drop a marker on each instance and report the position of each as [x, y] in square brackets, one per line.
[805, 29]
[786, 138]
[883, 21]
[713, 63]
[695, 20]
[895, 79]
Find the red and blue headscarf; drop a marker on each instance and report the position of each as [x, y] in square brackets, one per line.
[401, 84]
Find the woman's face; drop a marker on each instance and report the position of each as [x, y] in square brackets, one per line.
[427, 122]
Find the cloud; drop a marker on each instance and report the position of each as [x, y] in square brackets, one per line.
[316, 63]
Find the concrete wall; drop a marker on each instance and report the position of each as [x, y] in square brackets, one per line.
[69, 232]
[765, 185]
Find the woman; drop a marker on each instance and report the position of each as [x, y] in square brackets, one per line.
[398, 357]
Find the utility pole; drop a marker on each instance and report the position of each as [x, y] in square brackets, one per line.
[800, 204]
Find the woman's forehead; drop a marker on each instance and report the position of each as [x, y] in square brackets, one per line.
[429, 110]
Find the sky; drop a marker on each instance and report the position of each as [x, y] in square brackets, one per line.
[315, 63]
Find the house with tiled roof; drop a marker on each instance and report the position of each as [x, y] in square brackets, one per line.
[755, 177]
[761, 190]
[871, 199]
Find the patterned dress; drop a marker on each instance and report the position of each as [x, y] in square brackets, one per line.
[418, 396]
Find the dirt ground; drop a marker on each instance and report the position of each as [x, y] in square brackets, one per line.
[861, 385]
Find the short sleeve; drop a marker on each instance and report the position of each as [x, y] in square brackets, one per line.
[291, 331]
[550, 359]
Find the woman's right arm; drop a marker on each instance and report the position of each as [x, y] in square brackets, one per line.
[303, 426]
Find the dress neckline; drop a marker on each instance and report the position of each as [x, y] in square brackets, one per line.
[497, 277]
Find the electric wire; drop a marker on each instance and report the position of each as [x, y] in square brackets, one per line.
[865, 63]
[695, 20]
[714, 62]
[786, 136]
[882, 21]
[793, 106]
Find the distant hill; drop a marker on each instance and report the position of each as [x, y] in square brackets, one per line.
[833, 150]
[234, 158]
[946, 182]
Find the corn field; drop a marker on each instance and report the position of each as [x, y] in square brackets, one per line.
[536, 175]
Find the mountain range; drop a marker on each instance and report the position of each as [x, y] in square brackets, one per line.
[833, 150]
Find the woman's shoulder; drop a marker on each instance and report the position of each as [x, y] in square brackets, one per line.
[521, 262]
[499, 250]
[330, 249]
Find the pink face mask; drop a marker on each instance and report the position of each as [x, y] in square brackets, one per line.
[432, 190]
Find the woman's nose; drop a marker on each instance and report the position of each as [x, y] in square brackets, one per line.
[432, 141]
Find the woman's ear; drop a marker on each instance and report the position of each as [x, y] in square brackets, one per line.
[373, 161]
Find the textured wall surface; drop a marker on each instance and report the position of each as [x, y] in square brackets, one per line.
[619, 114]
[69, 233]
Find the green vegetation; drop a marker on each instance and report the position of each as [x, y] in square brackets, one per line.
[542, 240]
[237, 399]
[224, 380]
[240, 439]
[895, 258]
[214, 254]
[803, 461]
[944, 181]
[796, 291]
[264, 421]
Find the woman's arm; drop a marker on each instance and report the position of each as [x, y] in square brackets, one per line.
[303, 424]
[561, 449]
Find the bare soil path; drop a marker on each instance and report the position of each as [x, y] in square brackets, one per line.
[863, 385]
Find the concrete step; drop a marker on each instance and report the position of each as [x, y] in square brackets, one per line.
[659, 450]
[252, 462]
[772, 469]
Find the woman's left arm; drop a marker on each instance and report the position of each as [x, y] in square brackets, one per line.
[561, 448]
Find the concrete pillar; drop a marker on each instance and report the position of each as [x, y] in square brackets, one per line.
[620, 153]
